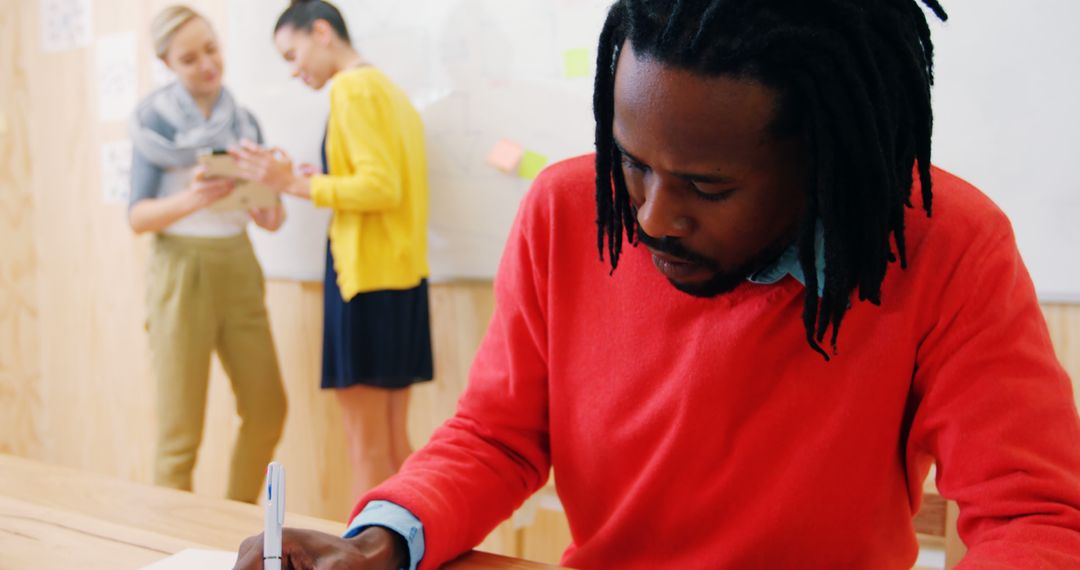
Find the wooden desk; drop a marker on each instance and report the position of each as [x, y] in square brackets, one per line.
[53, 517]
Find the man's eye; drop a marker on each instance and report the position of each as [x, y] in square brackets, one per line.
[713, 195]
[633, 164]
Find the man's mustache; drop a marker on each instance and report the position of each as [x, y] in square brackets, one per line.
[674, 248]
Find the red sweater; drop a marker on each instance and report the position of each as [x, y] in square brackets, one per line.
[705, 433]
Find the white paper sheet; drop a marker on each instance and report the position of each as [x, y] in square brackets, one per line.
[66, 24]
[117, 79]
[116, 171]
[195, 558]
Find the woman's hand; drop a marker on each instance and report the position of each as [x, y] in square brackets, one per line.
[307, 169]
[269, 219]
[156, 214]
[270, 167]
[203, 191]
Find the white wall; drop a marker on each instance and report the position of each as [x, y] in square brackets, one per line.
[1007, 106]
[480, 70]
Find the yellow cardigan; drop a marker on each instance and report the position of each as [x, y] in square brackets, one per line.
[377, 185]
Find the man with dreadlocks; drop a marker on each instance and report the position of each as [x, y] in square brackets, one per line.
[768, 163]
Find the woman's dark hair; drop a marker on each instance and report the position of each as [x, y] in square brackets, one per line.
[853, 77]
[301, 14]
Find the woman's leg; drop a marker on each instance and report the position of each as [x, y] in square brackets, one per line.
[182, 367]
[247, 353]
[400, 448]
[232, 284]
[246, 349]
[364, 411]
[181, 341]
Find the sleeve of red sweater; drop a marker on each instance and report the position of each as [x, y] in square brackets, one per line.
[996, 412]
[486, 460]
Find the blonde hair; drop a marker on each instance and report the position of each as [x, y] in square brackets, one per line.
[165, 24]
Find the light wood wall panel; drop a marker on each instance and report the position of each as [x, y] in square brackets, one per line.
[89, 267]
[20, 373]
[1064, 324]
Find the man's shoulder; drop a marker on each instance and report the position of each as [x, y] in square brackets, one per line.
[570, 181]
[572, 172]
[561, 201]
[565, 190]
[960, 198]
[962, 215]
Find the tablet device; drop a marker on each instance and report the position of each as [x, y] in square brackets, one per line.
[220, 164]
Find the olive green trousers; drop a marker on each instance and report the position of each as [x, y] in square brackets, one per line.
[206, 295]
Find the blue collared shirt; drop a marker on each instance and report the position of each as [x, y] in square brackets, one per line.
[788, 264]
[398, 519]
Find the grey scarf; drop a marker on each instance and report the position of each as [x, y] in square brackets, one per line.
[172, 104]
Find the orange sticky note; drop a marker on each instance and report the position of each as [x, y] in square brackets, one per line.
[505, 156]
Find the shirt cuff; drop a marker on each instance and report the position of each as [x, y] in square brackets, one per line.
[396, 518]
[322, 191]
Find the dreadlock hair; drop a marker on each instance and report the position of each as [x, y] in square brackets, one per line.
[852, 77]
[301, 14]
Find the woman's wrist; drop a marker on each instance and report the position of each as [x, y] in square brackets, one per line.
[300, 187]
[188, 203]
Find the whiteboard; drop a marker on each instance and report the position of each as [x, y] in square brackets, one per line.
[1007, 120]
[477, 70]
[483, 70]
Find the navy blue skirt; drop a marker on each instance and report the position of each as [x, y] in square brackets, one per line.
[380, 338]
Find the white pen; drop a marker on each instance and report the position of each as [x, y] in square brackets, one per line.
[275, 516]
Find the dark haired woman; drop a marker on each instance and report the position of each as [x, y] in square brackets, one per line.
[376, 334]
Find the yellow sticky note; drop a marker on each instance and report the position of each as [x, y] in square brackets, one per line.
[531, 165]
[505, 155]
[577, 63]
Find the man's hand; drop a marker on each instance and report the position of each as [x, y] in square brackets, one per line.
[375, 548]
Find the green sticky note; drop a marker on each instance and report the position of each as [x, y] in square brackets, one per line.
[531, 165]
[577, 63]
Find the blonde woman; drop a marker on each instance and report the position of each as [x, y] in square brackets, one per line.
[205, 286]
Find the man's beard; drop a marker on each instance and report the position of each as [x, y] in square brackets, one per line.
[723, 281]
